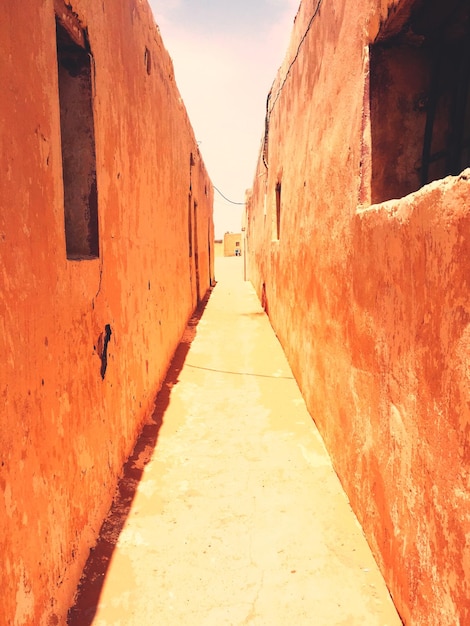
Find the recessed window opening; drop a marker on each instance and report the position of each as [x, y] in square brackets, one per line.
[277, 215]
[196, 252]
[420, 98]
[190, 226]
[77, 141]
[148, 61]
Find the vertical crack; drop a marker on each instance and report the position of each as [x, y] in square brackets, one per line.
[103, 351]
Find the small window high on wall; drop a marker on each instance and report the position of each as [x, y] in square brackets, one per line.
[77, 139]
[277, 215]
[419, 97]
[190, 225]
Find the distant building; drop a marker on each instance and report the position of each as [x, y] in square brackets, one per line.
[232, 244]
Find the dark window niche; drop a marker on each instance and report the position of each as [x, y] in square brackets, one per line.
[419, 98]
[78, 142]
[148, 61]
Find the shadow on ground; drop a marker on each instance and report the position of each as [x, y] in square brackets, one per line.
[82, 613]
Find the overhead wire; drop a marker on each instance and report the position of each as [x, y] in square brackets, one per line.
[228, 200]
[254, 374]
[269, 109]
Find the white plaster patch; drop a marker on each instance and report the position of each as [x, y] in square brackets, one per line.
[460, 494]
[313, 458]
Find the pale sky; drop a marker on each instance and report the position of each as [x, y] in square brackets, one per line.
[226, 55]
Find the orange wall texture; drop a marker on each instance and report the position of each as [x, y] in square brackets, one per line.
[371, 302]
[85, 344]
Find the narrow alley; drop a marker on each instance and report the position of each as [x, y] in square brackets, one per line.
[229, 511]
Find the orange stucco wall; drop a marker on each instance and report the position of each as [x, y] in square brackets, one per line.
[371, 304]
[66, 426]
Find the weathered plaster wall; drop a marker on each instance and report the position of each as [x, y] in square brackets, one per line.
[65, 430]
[409, 381]
[371, 304]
